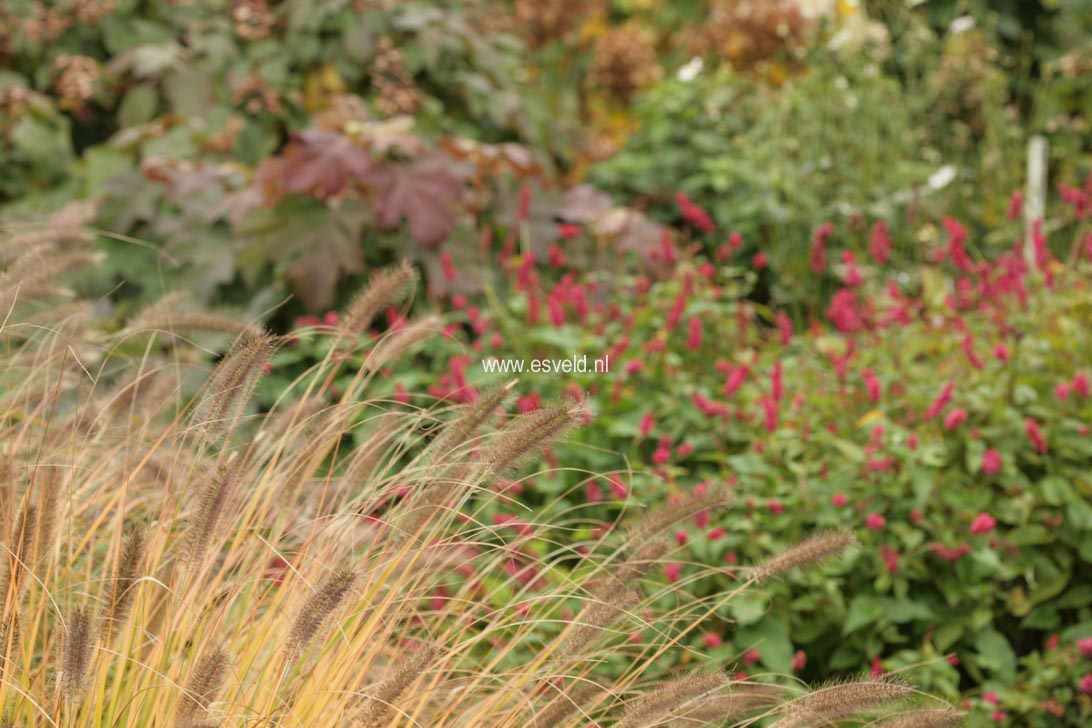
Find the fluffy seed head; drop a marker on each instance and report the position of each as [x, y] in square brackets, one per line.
[24, 539]
[169, 314]
[403, 340]
[643, 557]
[671, 697]
[318, 609]
[741, 699]
[75, 653]
[380, 698]
[531, 433]
[469, 421]
[212, 501]
[689, 505]
[122, 589]
[206, 680]
[924, 718]
[597, 617]
[49, 486]
[565, 704]
[841, 700]
[232, 383]
[808, 552]
[385, 288]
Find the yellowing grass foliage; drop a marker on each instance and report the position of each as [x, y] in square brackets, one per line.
[178, 559]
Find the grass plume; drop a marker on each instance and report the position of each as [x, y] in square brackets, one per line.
[381, 698]
[924, 718]
[670, 698]
[809, 552]
[126, 572]
[596, 618]
[532, 433]
[318, 610]
[232, 383]
[463, 428]
[567, 703]
[204, 684]
[739, 701]
[682, 508]
[384, 289]
[214, 498]
[838, 701]
[75, 653]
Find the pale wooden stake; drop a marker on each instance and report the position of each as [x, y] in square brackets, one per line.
[1035, 204]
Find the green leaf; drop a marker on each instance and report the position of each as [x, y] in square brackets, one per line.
[748, 607]
[863, 611]
[947, 635]
[43, 143]
[1055, 490]
[995, 654]
[138, 106]
[901, 611]
[771, 638]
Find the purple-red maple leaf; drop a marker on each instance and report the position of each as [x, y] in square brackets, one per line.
[321, 163]
[426, 192]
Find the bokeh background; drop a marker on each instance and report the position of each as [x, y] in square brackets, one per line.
[797, 227]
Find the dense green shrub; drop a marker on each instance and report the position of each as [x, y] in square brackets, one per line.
[839, 141]
[944, 408]
[789, 337]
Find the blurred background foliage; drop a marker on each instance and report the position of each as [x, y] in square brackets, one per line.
[774, 117]
[266, 156]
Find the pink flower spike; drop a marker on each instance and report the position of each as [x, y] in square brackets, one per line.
[1085, 646]
[618, 487]
[983, 523]
[955, 418]
[568, 231]
[694, 333]
[1035, 434]
[777, 385]
[991, 461]
[593, 493]
[1016, 204]
[880, 247]
[941, 401]
[872, 384]
[875, 522]
[818, 258]
[1080, 385]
